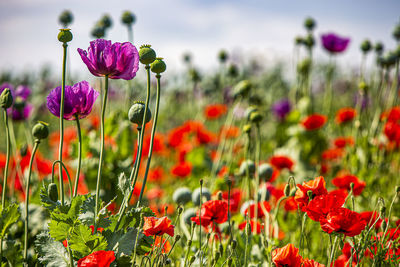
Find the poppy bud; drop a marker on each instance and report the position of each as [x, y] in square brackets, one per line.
[52, 192]
[168, 261]
[65, 36]
[6, 98]
[194, 75]
[189, 243]
[397, 189]
[309, 24]
[309, 41]
[128, 18]
[147, 54]
[293, 192]
[230, 262]
[196, 195]
[177, 238]
[23, 150]
[216, 256]
[287, 190]
[180, 209]
[299, 40]
[379, 48]
[396, 32]
[352, 187]
[242, 88]
[98, 32]
[208, 236]
[66, 18]
[40, 130]
[248, 228]
[384, 224]
[366, 46]
[158, 66]
[106, 21]
[201, 182]
[136, 113]
[182, 195]
[221, 249]
[383, 210]
[222, 56]
[247, 128]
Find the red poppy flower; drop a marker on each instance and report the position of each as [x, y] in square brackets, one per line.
[316, 186]
[182, 169]
[311, 263]
[260, 209]
[236, 196]
[99, 229]
[290, 204]
[344, 115]
[213, 112]
[258, 226]
[156, 174]
[155, 193]
[286, 256]
[344, 182]
[212, 211]
[370, 217]
[158, 242]
[342, 142]
[281, 162]
[157, 226]
[332, 154]
[229, 132]
[99, 258]
[204, 136]
[392, 115]
[342, 220]
[321, 205]
[392, 131]
[314, 122]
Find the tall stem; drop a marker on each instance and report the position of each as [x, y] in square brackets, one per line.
[103, 113]
[35, 146]
[78, 170]
[3, 196]
[257, 176]
[153, 130]
[60, 151]
[130, 33]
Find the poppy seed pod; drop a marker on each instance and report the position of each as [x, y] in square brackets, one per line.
[366, 46]
[188, 215]
[98, 32]
[309, 41]
[396, 32]
[233, 70]
[6, 98]
[265, 171]
[147, 54]
[40, 130]
[242, 88]
[66, 18]
[136, 113]
[379, 48]
[52, 192]
[158, 66]
[222, 56]
[106, 21]
[196, 195]
[65, 36]
[247, 166]
[309, 24]
[128, 18]
[182, 195]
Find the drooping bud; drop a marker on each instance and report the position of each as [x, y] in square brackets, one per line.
[65, 36]
[52, 192]
[147, 54]
[136, 113]
[287, 190]
[6, 98]
[40, 130]
[158, 66]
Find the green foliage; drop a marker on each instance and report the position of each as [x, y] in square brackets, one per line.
[9, 216]
[51, 253]
[83, 242]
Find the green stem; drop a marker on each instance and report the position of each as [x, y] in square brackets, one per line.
[257, 176]
[130, 33]
[60, 151]
[332, 251]
[103, 113]
[153, 130]
[201, 204]
[35, 146]
[78, 170]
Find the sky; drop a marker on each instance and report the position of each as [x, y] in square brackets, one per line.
[262, 28]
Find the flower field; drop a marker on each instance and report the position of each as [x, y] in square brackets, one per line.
[133, 166]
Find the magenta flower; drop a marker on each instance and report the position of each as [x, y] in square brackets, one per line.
[118, 61]
[21, 109]
[78, 101]
[334, 43]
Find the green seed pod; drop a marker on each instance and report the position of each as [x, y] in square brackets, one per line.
[6, 98]
[194, 75]
[128, 18]
[52, 192]
[98, 32]
[147, 54]
[106, 21]
[196, 195]
[136, 113]
[182, 195]
[242, 88]
[65, 36]
[366, 46]
[230, 261]
[233, 70]
[396, 32]
[158, 66]
[177, 238]
[379, 48]
[309, 41]
[265, 171]
[309, 24]
[188, 215]
[222, 56]
[287, 190]
[40, 130]
[247, 166]
[299, 40]
[66, 18]
[256, 117]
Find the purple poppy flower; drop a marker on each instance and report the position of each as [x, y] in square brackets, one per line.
[334, 43]
[6, 85]
[78, 101]
[21, 113]
[117, 60]
[20, 110]
[281, 108]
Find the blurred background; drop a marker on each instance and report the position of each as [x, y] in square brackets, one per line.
[246, 28]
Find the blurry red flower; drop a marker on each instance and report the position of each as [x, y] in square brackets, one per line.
[158, 242]
[259, 227]
[370, 217]
[311, 263]
[260, 209]
[97, 259]
[157, 226]
[204, 136]
[156, 174]
[332, 154]
[215, 111]
[212, 211]
[344, 115]
[286, 256]
[155, 193]
[281, 162]
[236, 196]
[182, 169]
[314, 122]
[342, 220]
[229, 132]
[344, 182]
[342, 142]
[316, 186]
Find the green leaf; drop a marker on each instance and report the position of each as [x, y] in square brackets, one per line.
[124, 185]
[124, 243]
[131, 218]
[83, 243]
[59, 230]
[51, 253]
[9, 216]
[45, 199]
[87, 213]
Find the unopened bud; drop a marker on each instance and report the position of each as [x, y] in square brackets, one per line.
[234, 244]
[6, 98]
[192, 259]
[287, 190]
[219, 195]
[310, 194]
[177, 238]
[65, 36]
[52, 192]
[158, 66]
[136, 113]
[40, 130]
[147, 55]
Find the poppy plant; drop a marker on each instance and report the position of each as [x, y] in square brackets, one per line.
[286, 256]
[317, 188]
[258, 226]
[342, 220]
[158, 226]
[344, 115]
[212, 211]
[115, 60]
[345, 181]
[314, 122]
[333, 43]
[215, 111]
[281, 162]
[99, 258]
[321, 205]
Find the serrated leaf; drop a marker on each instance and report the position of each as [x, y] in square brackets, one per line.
[124, 243]
[59, 230]
[9, 216]
[124, 185]
[87, 213]
[83, 242]
[131, 218]
[45, 199]
[51, 253]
